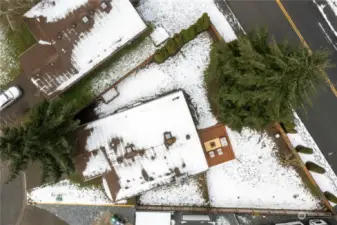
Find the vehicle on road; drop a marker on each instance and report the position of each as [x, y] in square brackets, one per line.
[311, 222]
[9, 96]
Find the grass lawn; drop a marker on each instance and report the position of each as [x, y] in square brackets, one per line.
[15, 42]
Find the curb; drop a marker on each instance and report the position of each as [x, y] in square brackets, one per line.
[83, 204]
[304, 168]
[24, 201]
[233, 210]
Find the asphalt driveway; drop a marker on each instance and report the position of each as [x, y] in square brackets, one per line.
[12, 199]
[30, 97]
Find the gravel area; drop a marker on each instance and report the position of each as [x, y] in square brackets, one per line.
[84, 215]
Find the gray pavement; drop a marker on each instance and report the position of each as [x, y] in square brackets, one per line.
[245, 219]
[12, 199]
[320, 119]
[36, 216]
[85, 215]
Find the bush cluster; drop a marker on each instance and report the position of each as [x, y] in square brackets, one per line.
[331, 197]
[180, 39]
[289, 127]
[303, 149]
[314, 167]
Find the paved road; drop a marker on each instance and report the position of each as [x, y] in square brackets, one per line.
[30, 97]
[11, 198]
[321, 119]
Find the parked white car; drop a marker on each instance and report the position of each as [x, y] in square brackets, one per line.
[311, 222]
[9, 96]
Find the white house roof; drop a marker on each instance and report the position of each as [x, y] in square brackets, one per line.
[152, 162]
[153, 218]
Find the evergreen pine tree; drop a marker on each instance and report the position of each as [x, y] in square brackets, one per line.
[253, 81]
[43, 138]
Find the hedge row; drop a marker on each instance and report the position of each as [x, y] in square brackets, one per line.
[180, 39]
[289, 127]
[314, 167]
[303, 149]
[331, 197]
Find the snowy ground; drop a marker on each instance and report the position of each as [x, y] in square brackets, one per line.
[122, 66]
[184, 71]
[256, 179]
[175, 15]
[187, 193]
[327, 181]
[65, 192]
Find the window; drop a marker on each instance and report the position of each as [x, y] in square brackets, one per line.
[219, 151]
[129, 148]
[211, 154]
[85, 19]
[223, 141]
[167, 135]
[104, 5]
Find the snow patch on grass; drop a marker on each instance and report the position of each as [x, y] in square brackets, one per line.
[184, 71]
[188, 193]
[326, 181]
[65, 192]
[256, 179]
[175, 15]
[7, 61]
[122, 66]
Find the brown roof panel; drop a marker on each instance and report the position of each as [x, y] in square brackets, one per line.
[113, 184]
[37, 57]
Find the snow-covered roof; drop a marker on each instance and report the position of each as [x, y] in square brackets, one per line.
[54, 10]
[82, 43]
[136, 148]
[153, 218]
[96, 165]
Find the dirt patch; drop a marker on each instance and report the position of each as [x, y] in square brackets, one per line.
[288, 159]
[202, 181]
